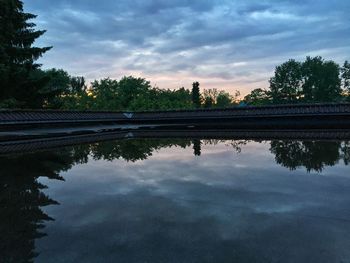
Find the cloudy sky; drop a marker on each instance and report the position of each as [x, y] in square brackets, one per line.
[232, 45]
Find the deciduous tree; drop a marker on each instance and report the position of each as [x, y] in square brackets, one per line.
[257, 97]
[286, 84]
[321, 80]
[345, 74]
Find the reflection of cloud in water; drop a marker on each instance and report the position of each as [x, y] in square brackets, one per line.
[175, 207]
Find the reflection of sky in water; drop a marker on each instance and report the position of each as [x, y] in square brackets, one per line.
[222, 206]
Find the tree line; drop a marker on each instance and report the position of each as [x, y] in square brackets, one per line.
[62, 91]
[310, 81]
[25, 85]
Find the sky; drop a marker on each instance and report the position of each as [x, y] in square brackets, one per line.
[231, 45]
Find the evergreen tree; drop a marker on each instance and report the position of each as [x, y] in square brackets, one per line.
[196, 96]
[20, 83]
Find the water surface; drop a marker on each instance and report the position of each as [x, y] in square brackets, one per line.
[177, 200]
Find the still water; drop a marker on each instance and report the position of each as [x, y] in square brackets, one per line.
[177, 200]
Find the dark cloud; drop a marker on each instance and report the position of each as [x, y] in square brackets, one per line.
[185, 39]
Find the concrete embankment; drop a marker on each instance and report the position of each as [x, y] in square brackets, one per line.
[33, 124]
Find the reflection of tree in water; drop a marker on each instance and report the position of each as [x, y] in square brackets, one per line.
[197, 148]
[21, 194]
[345, 152]
[313, 155]
[22, 199]
[235, 144]
[133, 150]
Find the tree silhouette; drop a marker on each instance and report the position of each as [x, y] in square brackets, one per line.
[20, 84]
[77, 84]
[314, 80]
[286, 85]
[223, 100]
[321, 80]
[208, 102]
[196, 96]
[259, 97]
[58, 84]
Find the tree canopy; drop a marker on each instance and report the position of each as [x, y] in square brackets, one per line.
[313, 80]
[286, 85]
[321, 80]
